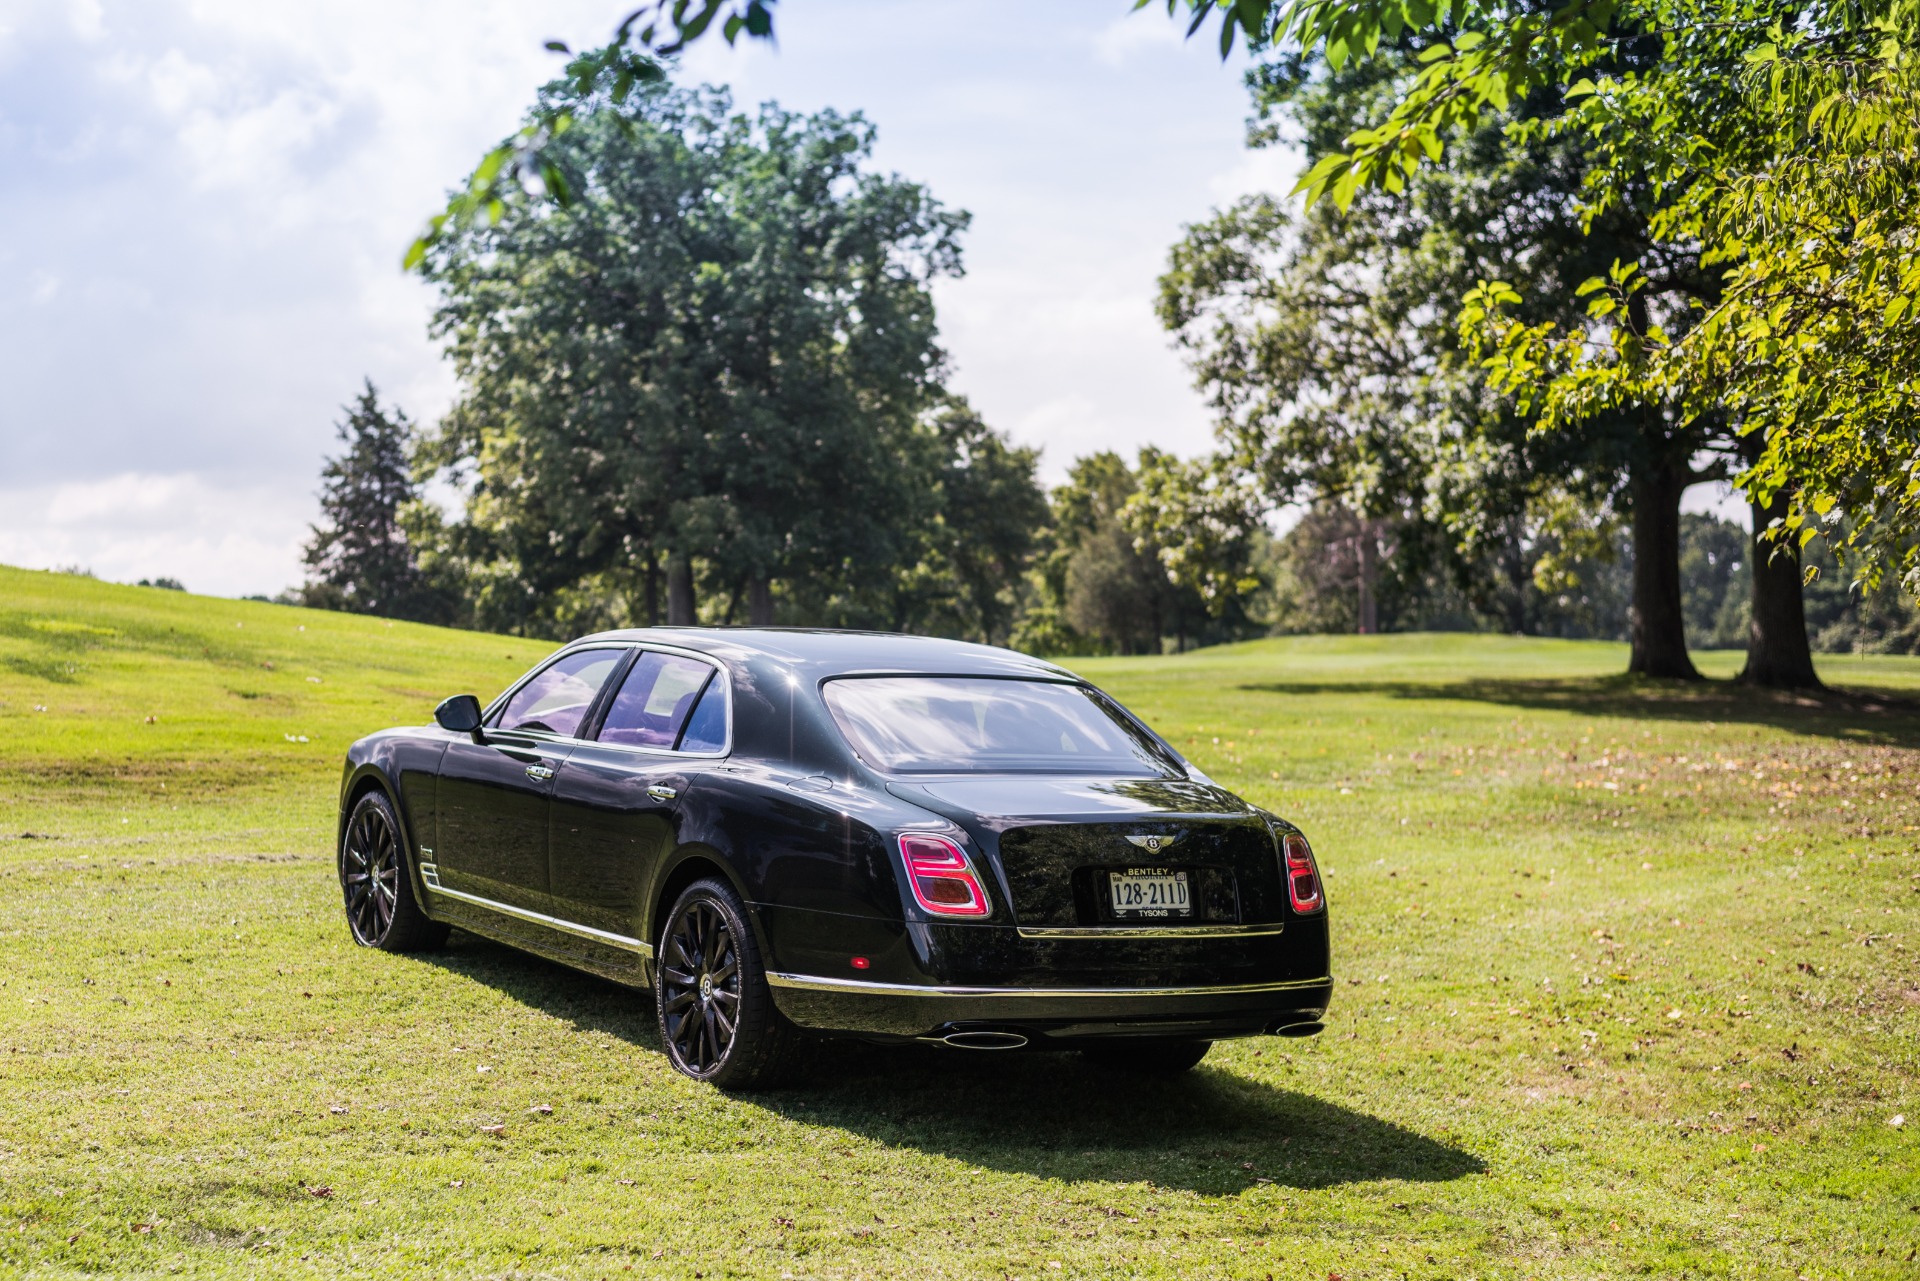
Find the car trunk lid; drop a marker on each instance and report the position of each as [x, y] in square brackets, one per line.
[1113, 854]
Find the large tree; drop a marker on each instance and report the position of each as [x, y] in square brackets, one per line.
[1327, 344]
[705, 368]
[1784, 139]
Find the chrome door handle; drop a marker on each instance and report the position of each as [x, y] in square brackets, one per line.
[539, 773]
[661, 792]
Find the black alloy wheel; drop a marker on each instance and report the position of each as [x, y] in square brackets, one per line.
[717, 1017]
[1148, 1056]
[381, 910]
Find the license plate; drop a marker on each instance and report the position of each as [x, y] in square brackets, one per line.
[1150, 892]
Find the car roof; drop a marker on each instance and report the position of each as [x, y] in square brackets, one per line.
[819, 652]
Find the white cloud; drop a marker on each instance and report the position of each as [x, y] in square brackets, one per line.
[1127, 37]
[224, 540]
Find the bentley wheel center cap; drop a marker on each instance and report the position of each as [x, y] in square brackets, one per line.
[706, 987]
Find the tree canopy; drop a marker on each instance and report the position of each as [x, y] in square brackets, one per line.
[718, 364]
[1782, 139]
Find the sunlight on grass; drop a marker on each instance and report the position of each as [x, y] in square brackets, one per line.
[1627, 985]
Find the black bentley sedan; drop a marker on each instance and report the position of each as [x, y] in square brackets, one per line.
[793, 833]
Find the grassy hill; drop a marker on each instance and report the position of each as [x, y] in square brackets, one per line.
[1629, 983]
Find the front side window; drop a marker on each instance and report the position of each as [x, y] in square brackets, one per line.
[557, 697]
[655, 701]
[982, 725]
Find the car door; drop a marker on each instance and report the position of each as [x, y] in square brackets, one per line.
[616, 807]
[495, 793]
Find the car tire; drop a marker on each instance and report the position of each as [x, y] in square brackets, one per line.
[718, 1023]
[376, 884]
[1148, 1057]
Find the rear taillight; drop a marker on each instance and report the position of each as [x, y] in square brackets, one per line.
[1303, 878]
[943, 880]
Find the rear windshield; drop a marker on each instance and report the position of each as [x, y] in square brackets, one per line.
[977, 725]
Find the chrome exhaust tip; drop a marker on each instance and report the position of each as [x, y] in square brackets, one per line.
[1299, 1029]
[983, 1039]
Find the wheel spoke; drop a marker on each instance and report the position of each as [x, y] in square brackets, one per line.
[370, 874]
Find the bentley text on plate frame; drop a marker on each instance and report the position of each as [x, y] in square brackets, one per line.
[795, 834]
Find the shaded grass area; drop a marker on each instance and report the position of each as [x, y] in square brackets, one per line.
[1627, 986]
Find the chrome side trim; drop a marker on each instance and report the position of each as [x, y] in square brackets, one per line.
[1150, 931]
[865, 987]
[431, 875]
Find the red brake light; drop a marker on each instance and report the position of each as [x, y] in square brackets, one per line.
[1303, 878]
[942, 879]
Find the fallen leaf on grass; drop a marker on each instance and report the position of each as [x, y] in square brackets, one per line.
[337, 1110]
[1897, 1120]
[497, 1131]
[140, 1227]
[75, 1237]
[541, 1109]
[323, 1192]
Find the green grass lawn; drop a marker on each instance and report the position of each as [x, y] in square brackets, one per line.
[1629, 984]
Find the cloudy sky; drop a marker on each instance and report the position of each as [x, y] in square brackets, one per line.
[203, 205]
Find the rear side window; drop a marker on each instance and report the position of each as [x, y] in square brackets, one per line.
[655, 701]
[706, 729]
[559, 694]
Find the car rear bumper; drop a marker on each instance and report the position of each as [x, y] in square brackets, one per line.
[1060, 1014]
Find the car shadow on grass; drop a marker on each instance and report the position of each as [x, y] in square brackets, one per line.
[1852, 715]
[1050, 1115]
[1056, 1116]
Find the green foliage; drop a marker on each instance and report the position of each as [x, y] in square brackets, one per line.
[722, 350]
[361, 557]
[1782, 142]
[1140, 557]
[1326, 345]
[525, 165]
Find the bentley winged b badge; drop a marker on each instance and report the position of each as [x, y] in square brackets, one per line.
[1155, 843]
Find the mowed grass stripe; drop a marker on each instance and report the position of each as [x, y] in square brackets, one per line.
[1627, 983]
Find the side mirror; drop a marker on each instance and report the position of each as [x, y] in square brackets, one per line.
[461, 714]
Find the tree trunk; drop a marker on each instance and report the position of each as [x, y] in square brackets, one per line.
[1778, 656]
[1369, 556]
[680, 591]
[759, 601]
[1519, 575]
[1656, 622]
[653, 589]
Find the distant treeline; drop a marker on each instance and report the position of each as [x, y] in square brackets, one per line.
[1001, 560]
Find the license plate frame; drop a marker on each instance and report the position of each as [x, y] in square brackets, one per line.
[1150, 894]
